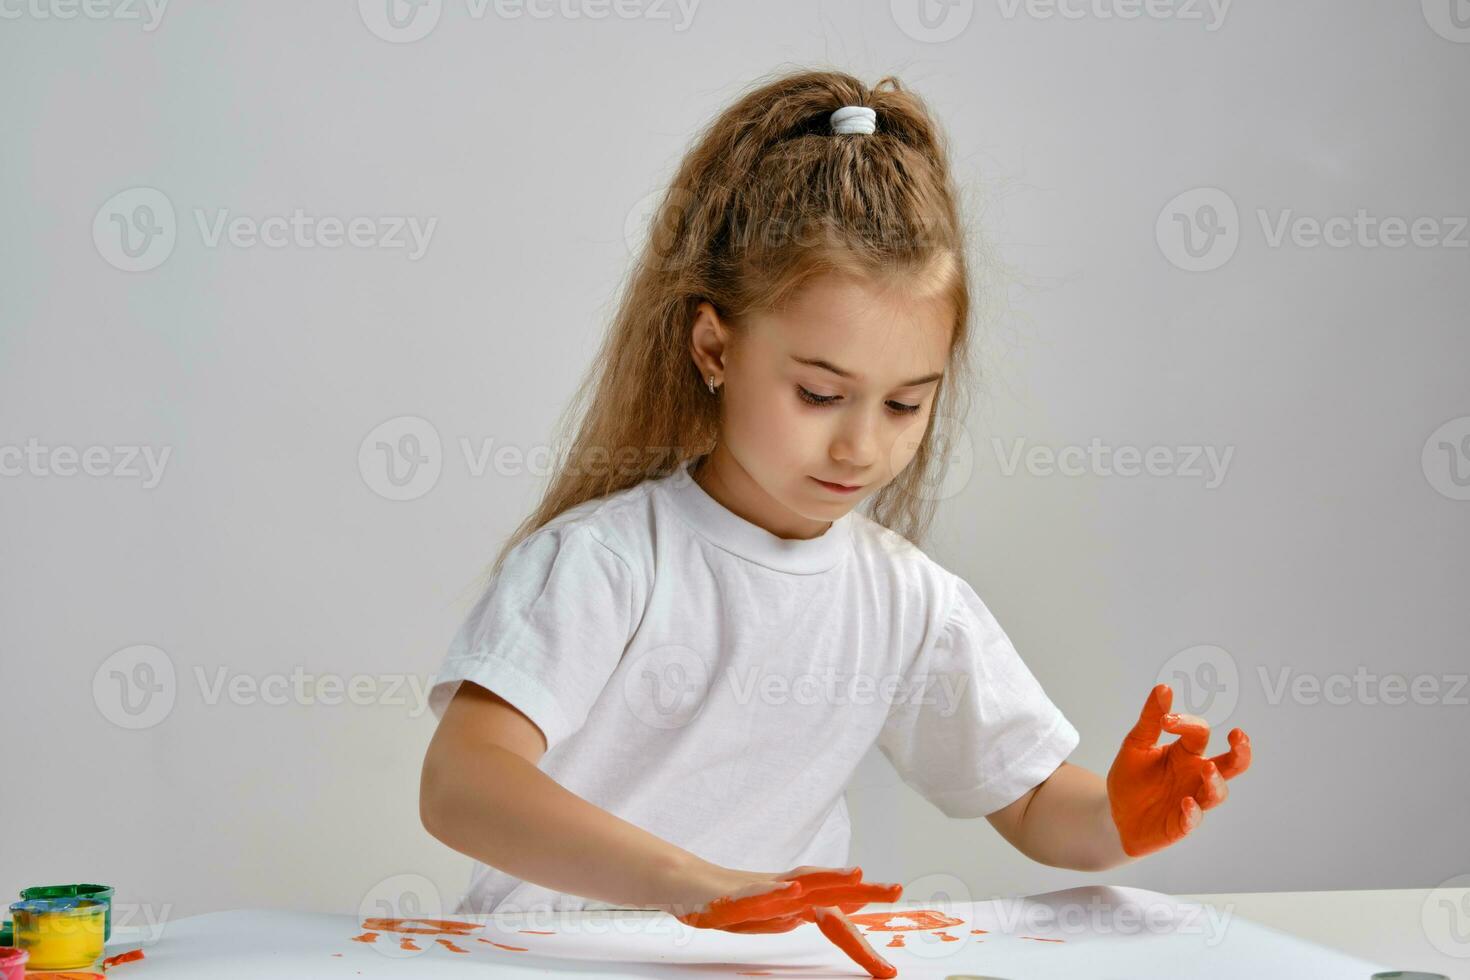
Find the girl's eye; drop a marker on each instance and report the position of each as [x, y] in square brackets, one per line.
[898, 408]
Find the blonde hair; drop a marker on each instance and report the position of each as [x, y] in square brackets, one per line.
[768, 198]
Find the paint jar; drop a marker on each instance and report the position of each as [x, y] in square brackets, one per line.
[99, 892]
[13, 963]
[64, 933]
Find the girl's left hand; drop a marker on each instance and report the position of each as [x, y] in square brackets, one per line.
[1157, 793]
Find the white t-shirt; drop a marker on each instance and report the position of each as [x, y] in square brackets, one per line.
[717, 685]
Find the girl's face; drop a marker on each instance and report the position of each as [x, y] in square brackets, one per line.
[837, 387]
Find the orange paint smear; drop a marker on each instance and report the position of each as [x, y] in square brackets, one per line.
[1039, 939]
[978, 931]
[409, 944]
[947, 937]
[538, 932]
[896, 941]
[513, 949]
[422, 927]
[918, 919]
[367, 937]
[450, 946]
[128, 957]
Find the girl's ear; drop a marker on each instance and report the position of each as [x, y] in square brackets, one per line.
[709, 340]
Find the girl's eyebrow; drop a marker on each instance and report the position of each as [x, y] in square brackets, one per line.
[828, 366]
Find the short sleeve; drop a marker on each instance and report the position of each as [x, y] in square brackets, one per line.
[983, 731]
[548, 631]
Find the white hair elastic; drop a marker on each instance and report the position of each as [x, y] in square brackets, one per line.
[854, 119]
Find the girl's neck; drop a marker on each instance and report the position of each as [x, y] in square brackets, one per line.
[721, 476]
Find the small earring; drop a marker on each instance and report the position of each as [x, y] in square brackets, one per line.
[711, 383]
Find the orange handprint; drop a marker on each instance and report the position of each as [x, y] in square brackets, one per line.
[805, 894]
[1158, 793]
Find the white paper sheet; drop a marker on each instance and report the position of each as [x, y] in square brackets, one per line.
[1104, 932]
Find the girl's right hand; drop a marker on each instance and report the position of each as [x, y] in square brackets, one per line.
[753, 901]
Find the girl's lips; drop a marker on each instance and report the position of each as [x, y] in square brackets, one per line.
[838, 487]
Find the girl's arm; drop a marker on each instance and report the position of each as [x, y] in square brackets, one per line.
[482, 794]
[1065, 822]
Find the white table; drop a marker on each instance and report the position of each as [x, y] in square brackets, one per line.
[1385, 926]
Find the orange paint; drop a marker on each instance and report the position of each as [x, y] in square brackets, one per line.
[450, 946]
[514, 949]
[128, 957]
[975, 931]
[367, 937]
[897, 940]
[1158, 793]
[918, 919]
[408, 944]
[539, 932]
[947, 937]
[422, 927]
[1041, 940]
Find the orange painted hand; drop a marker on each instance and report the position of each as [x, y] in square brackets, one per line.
[780, 903]
[1158, 793]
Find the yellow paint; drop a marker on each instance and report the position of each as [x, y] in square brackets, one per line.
[62, 938]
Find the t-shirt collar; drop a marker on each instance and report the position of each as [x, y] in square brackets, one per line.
[735, 534]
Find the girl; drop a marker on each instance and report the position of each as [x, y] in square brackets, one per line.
[680, 657]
